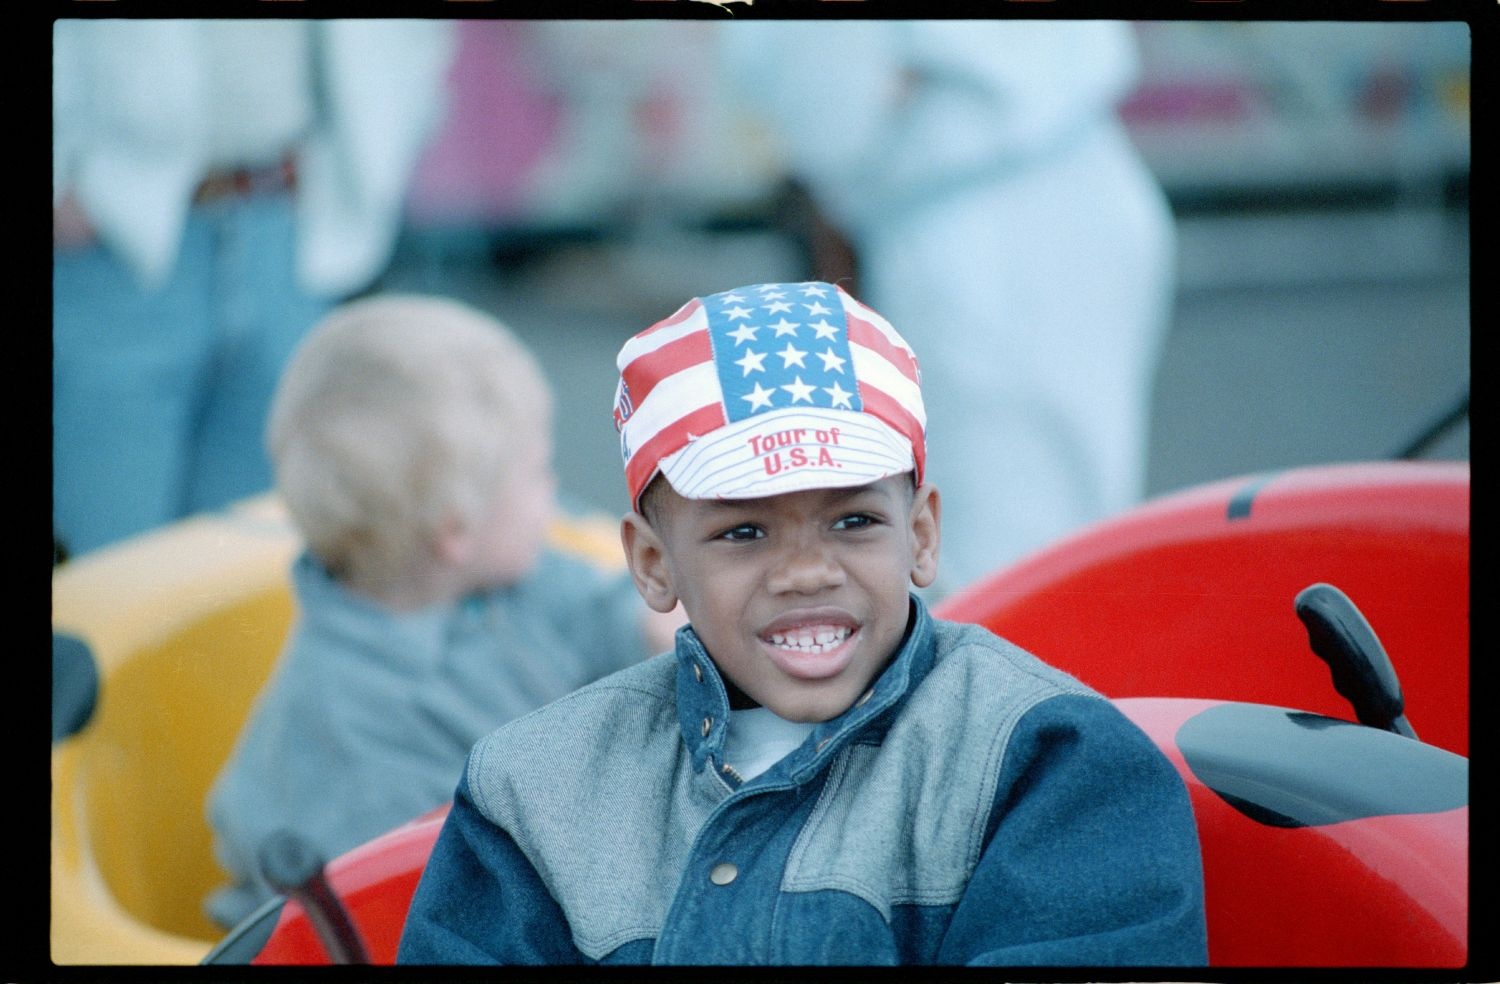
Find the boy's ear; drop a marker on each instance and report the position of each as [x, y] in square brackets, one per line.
[648, 563]
[926, 535]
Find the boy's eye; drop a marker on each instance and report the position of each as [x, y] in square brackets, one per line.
[857, 521]
[743, 532]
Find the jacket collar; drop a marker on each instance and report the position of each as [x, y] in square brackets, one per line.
[703, 701]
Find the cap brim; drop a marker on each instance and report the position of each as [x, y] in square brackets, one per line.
[788, 450]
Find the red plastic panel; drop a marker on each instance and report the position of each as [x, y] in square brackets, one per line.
[1191, 595]
[376, 882]
[1381, 891]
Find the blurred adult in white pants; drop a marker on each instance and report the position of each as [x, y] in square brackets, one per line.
[1001, 217]
[217, 185]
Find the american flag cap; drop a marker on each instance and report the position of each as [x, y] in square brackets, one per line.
[768, 389]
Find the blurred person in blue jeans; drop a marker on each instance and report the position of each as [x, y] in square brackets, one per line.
[217, 186]
[999, 213]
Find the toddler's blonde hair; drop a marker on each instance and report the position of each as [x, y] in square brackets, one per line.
[397, 414]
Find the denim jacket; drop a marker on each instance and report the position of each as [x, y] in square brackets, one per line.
[975, 806]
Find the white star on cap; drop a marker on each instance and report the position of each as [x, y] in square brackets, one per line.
[752, 362]
[824, 329]
[743, 334]
[758, 397]
[799, 390]
[832, 362]
[816, 307]
[732, 298]
[776, 306]
[790, 355]
[785, 327]
[736, 313]
[838, 395]
[813, 290]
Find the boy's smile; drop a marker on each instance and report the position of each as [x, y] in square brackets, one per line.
[801, 598]
[811, 645]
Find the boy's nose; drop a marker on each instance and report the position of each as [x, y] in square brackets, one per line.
[806, 569]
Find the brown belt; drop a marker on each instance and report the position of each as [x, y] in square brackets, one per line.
[246, 181]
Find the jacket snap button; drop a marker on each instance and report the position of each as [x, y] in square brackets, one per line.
[698, 672]
[723, 873]
[708, 724]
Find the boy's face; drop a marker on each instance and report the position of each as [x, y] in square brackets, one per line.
[801, 598]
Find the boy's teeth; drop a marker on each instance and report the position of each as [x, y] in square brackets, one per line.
[810, 640]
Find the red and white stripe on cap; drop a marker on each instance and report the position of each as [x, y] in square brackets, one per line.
[768, 389]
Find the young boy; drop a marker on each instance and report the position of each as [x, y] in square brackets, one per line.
[411, 441]
[821, 773]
